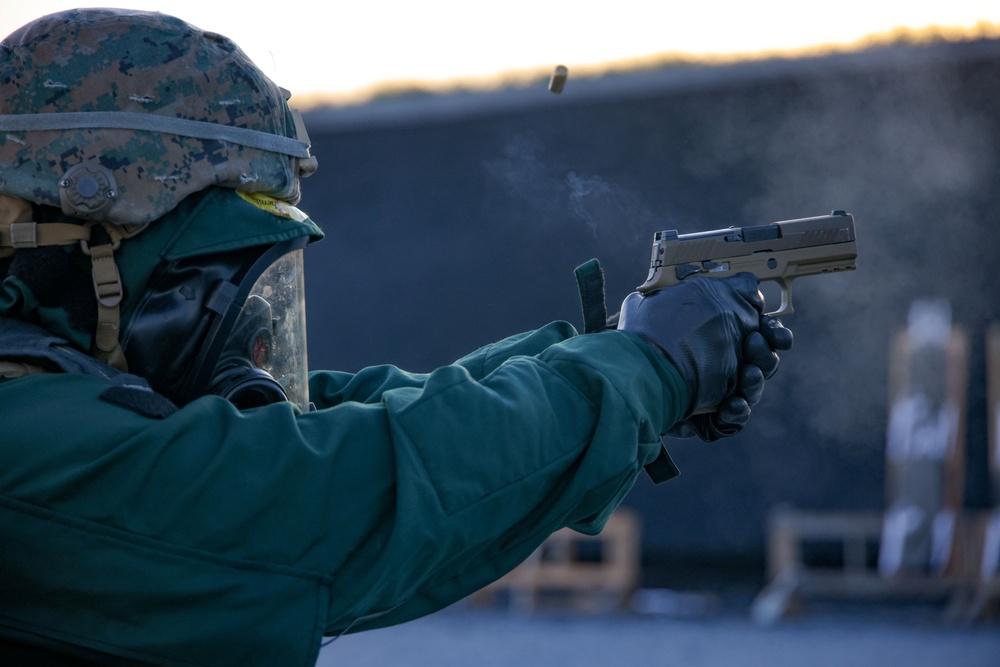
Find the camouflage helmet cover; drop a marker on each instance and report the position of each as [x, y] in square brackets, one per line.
[118, 115]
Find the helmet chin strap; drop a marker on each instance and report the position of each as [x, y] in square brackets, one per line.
[18, 231]
[109, 292]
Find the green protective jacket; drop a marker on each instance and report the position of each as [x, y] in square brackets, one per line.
[211, 536]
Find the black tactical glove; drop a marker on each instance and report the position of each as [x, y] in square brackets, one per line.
[714, 332]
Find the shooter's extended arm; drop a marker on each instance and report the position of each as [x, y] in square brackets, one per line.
[780, 252]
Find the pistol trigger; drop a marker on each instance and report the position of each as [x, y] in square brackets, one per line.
[786, 299]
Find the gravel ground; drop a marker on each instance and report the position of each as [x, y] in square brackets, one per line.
[839, 636]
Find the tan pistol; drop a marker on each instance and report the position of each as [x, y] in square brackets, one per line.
[779, 252]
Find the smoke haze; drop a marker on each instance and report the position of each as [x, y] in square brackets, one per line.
[491, 209]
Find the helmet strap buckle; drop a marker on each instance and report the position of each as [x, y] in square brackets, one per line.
[109, 292]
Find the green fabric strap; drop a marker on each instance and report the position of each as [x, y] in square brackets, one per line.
[590, 281]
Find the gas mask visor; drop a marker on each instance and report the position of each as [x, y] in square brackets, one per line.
[264, 359]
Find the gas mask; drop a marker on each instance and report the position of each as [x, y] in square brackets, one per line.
[231, 324]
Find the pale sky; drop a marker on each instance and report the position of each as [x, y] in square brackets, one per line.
[339, 47]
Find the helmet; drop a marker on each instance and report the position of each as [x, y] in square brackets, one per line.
[117, 115]
[148, 176]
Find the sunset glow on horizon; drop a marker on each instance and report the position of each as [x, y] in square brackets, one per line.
[344, 52]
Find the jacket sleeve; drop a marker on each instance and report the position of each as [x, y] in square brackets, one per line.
[328, 388]
[493, 454]
[399, 495]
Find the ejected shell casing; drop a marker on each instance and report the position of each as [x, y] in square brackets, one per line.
[558, 80]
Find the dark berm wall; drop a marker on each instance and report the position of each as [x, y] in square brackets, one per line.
[454, 221]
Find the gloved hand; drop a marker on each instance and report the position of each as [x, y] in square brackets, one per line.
[714, 332]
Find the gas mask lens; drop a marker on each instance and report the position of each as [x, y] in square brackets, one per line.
[264, 359]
